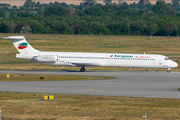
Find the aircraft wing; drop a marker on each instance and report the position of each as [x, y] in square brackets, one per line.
[86, 64]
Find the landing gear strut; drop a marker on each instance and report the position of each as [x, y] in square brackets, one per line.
[82, 69]
[168, 71]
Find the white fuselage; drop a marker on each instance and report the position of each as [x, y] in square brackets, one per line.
[101, 59]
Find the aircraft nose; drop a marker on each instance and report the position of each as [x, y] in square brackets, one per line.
[174, 64]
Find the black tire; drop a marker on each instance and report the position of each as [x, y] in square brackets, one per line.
[82, 69]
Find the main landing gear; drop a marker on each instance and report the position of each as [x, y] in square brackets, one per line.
[82, 69]
[168, 71]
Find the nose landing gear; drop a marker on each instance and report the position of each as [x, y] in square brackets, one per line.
[82, 69]
[168, 71]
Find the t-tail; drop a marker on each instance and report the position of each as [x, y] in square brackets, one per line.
[21, 44]
[25, 49]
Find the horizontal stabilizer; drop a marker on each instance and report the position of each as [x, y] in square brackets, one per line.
[14, 37]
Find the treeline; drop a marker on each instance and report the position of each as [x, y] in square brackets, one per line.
[95, 19]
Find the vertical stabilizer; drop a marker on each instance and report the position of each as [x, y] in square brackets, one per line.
[21, 44]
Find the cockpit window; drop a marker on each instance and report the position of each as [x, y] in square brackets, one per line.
[166, 58]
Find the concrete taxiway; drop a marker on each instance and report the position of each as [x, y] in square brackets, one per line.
[128, 83]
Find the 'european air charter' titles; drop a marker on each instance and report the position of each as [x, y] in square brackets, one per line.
[129, 56]
[123, 56]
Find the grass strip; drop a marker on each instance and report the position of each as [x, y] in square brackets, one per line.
[32, 77]
[15, 105]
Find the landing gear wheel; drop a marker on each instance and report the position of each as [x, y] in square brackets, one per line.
[168, 71]
[82, 69]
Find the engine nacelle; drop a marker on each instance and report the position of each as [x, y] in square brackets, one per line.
[45, 58]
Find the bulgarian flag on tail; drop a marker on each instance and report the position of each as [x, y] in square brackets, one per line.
[22, 45]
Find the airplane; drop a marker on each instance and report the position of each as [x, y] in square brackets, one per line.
[80, 59]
